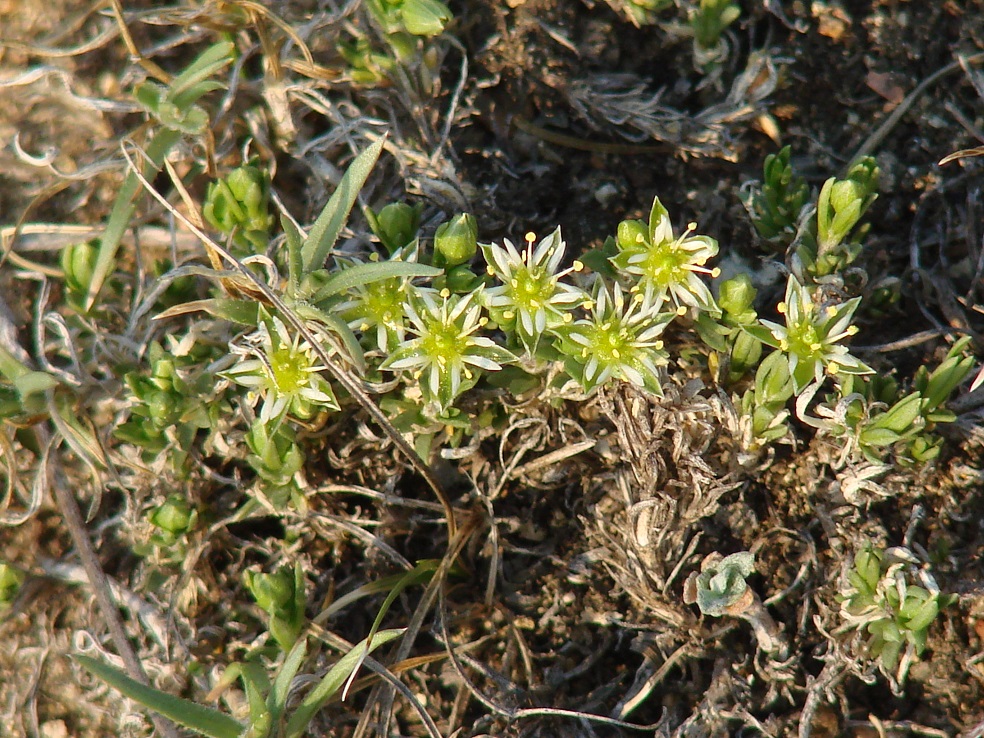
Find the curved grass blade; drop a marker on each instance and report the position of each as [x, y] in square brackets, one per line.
[334, 679]
[363, 274]
[184, 712]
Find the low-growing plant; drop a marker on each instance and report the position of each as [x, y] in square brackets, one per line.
[269, 712]
[720, 589]
[776, 204]
[282, 595]
[879, 596]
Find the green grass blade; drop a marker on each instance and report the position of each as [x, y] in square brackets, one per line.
[334, 679]
[184, 712]
[329, 224]
[208, 63]
[277, 699]
[123, 210]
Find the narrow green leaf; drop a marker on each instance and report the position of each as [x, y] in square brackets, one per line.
[421, 572]
[201, 719]
[334, 679]
[277, 699]
[363, 274]
[340, 328]
[294, 242]
[123, 211]
[245, 312]
[208, 63]
[329, 224]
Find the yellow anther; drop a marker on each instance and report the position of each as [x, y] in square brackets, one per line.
[681, 311]
[578, 266]
[716, 272]
[781, 308]
[483, 321]
[530, 237]
[616, 354]
[445, 293]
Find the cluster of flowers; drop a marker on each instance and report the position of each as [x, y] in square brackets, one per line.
[530, 311]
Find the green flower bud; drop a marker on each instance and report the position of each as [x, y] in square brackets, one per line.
[425, 17]
[395, 225]
[273, 592]
[276, 457]
[281, 595]
[632, 233]
[845, 193]
[736, 298]
[241, 201]
[457, 240]
[78, 261]
[175, 517]
[461, 279]
[160, 409]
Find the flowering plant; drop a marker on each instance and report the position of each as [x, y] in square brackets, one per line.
[811, 336]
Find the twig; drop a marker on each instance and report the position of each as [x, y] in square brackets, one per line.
[874, 140]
